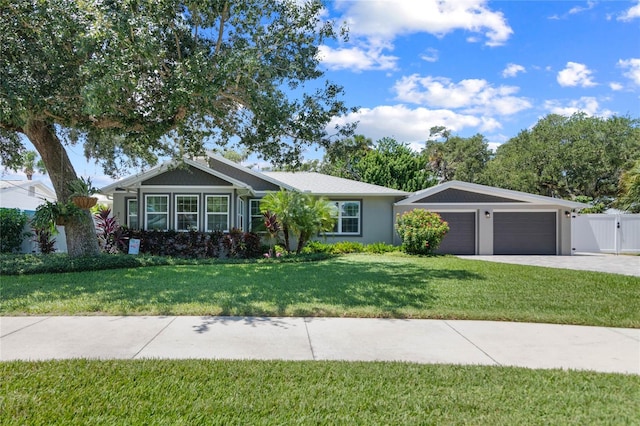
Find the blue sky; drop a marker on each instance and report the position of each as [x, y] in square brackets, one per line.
[475, 66]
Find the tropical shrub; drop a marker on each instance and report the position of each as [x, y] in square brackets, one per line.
[421, 231]
[299, 215]
[44, 239]
[344, 247]
[196, 244]
[12, 222]
[380, 248]
[111, 238]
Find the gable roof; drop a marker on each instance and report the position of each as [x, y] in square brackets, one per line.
[473, 193]
[321, 184]
[135, 181]
[24, 194]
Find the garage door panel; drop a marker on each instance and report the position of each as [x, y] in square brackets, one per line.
[461, 238]
[524, 233]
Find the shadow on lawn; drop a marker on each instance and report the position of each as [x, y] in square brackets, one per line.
[330, 288]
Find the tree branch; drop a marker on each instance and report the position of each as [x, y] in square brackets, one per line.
[223, 17]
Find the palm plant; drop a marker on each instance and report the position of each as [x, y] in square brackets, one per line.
[300, 215]
[629, 198]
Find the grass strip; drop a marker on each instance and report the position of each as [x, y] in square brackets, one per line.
[312, 392]
[391, 286]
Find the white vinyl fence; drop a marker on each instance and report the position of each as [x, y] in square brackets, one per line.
[606, 233]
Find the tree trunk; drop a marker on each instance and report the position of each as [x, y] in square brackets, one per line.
[80, 232]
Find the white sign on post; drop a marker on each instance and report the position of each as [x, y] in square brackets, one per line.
[134, 246]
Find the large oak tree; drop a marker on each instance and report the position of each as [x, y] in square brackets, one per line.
[134, 79]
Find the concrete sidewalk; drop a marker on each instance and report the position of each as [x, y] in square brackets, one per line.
[422, 341]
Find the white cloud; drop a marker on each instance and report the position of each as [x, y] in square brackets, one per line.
[616, 86]
[632, 13]
[388, 19]
[579, 9]
[512, 70]
[471, 95]
[430, 55]
[633, 67]
[358, 58]
[412, 125]
[575, 74]
[587, 104]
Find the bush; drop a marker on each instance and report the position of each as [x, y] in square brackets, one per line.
[380, 248]
[195, 244]
[344, 247]
[12, 222]
[421, 231]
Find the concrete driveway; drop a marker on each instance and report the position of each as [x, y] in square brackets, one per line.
[614, 264]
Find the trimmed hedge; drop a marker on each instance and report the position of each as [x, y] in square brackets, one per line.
[194, 244]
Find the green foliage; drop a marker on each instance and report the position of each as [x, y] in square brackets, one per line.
[566, 157]
[380, 248]
[48, 214]
[455, 157]
[595, 207]
[345, 247]
[299, 215]
[629, 189]
[12, 223]
[82, 187]
[195, 244]
[44, 239]
[421, 231]
[28, 161]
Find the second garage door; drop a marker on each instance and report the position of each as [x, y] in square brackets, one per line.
[461, 238]
[524, 233]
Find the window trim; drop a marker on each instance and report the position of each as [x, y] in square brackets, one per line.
[240, 213]
[176, 213]
[146, 212]
[339, 218]
[252, 216]
[128, 212]
[207, 213]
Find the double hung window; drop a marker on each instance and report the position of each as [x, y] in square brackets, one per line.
[347, 217]
[217, 213]
[157, 212]
[187, 212]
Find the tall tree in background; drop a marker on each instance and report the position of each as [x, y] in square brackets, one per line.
[566, 157]
[395, 165]
[629, 195]
[132, 80]
[456, 158]
[342, 157]
[29, 163]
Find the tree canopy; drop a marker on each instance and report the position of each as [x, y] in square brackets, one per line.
[134, 79]
[566, 157]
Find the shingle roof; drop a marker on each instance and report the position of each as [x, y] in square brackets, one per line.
[320, 184]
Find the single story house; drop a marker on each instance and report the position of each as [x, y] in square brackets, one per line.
[214, 193]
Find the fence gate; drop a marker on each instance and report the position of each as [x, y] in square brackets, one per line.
[605, 233]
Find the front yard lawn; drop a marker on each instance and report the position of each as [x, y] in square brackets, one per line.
[392, 285]
[312, 392]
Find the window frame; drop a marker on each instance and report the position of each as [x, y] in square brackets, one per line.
[129, 213]
[146, 211]
[338, 204]
[207, 213]
[177, 214]
[252, 216]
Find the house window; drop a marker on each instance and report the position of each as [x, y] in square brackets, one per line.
[348, 217]
[257, 220]
[217, 213]
[157, 212]
[132, 213]
[187, 207]
[240, 215]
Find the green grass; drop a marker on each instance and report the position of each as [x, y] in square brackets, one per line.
[391, 285]
[278, 392]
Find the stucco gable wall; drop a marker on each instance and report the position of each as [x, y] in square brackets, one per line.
[190, 176]
[453, 195]
[254, 181]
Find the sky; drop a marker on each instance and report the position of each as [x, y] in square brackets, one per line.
[473, 66]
